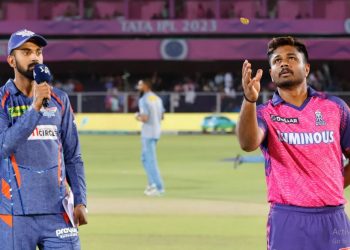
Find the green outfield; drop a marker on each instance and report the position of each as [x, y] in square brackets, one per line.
[208, 204]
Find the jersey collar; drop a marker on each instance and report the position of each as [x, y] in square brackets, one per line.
[11, 87]
[277, 99]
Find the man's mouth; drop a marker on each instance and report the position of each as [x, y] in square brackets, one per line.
[286, 72]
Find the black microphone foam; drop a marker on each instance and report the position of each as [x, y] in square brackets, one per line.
[42, 74]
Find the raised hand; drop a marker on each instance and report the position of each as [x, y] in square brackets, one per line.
[251, 86]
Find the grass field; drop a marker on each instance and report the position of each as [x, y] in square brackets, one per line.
[208, 204]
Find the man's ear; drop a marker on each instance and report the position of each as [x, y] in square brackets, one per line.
[11, 61]
[307, 69]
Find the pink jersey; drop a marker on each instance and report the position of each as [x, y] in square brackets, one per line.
[303, 149]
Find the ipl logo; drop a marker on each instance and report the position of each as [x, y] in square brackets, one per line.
[319, 119]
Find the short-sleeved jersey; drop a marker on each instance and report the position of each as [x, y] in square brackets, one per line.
[151, 105]
[39, 154]
[303, 148]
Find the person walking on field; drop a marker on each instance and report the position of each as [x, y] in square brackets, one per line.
[151, 113]
[303, 135]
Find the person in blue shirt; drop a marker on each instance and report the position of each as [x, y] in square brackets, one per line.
[151, 113]
[40, 161]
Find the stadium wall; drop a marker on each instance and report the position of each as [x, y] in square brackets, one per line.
[126, 123]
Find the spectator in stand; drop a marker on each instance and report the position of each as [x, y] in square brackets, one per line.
[231, 13]
[210, 13]
[91, 12]
[201, 14]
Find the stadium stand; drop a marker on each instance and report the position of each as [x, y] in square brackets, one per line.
[93, 41]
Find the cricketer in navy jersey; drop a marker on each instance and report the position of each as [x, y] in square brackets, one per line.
[40, 159]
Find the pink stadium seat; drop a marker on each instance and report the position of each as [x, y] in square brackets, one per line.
[192, 7]
[18, 11]
[59, 8]
[149, 8]
[337, 9]
[287, 9]
[108, 8]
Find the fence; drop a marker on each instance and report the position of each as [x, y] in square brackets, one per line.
[127, 102]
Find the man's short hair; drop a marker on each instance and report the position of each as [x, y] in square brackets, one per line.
[147, 82]
[287, 40]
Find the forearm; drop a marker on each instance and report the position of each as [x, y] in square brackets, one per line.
[248, 131]
[76, 180]
[347, 175]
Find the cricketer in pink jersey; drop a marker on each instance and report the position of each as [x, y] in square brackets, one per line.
[303, 135]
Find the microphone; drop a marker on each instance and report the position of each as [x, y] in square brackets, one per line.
[41, 73]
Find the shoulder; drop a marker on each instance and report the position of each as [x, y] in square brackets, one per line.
[5, 91]
[59, 95]
[263, 107]
[334, 99]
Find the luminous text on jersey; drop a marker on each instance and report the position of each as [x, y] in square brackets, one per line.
[306, 138]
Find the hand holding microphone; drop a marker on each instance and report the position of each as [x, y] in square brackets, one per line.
[42, 90]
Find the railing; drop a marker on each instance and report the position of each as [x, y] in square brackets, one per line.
[127, 102]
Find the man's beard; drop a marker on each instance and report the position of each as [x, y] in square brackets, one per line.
[288, 84]
[28, 73]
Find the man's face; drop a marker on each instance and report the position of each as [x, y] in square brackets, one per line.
[288, 67]
[141, 86]
[24, 58]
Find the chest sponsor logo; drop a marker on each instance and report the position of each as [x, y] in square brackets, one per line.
[319, 119]
[49, 111]
[44, 132]
[67, 232]
[287, 120]
[305, 138]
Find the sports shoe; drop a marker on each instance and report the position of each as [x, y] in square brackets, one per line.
[153, 191]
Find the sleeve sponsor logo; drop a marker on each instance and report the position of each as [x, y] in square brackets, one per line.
[44, 132]
[306, 138]
[292, 120]
[17, 110]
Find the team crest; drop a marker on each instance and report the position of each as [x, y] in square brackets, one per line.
[319, 119]
[24, 33]
[49, 111]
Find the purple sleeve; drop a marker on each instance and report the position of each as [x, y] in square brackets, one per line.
[72, 156]
[261, 120]
[345, 129]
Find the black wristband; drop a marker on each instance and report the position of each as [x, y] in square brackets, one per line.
[249, 100]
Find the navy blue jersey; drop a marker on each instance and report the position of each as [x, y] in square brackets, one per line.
[40, 154]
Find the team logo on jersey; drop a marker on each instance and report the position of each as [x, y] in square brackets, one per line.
[49, 111]
[286, 120]
[44, 132]
[319, 119]
[67, 232]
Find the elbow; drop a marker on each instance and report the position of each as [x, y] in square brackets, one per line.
[248, 148]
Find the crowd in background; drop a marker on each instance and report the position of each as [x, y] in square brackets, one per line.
[187, 89]
[91, 12]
